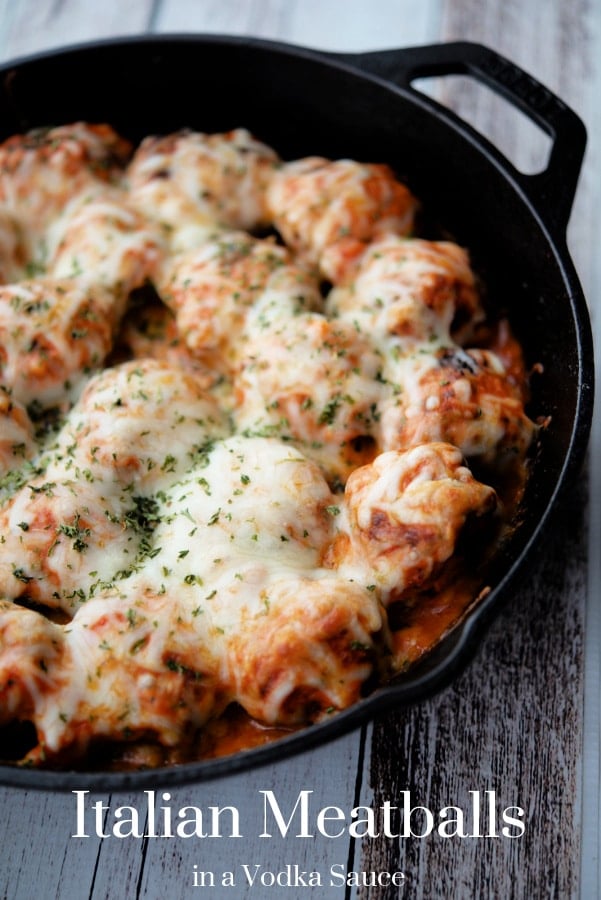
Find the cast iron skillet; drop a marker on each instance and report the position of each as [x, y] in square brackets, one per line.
[363, 106]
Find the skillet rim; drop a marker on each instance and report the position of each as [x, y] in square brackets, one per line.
[456, 649]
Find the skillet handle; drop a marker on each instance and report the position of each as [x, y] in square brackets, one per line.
[552, 190]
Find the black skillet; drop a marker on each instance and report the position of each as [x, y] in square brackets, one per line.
[364, 107]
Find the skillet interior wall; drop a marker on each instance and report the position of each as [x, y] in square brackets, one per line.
[303, 106]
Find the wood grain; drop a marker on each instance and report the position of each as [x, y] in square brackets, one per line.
[30, 852]
[565, 57]
[508, 724]
[329, 773]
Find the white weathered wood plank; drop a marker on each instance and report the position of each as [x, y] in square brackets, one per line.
[329, 773]
[36, 847]
[27, 27]
[268, 19]
[565, 57]
[345, 25]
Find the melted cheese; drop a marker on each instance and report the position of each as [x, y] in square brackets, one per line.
[230, 516]
[212, 288]
[327, 210]
[85, 522]
[191, 183]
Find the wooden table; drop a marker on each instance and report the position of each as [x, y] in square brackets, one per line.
[523, 720]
